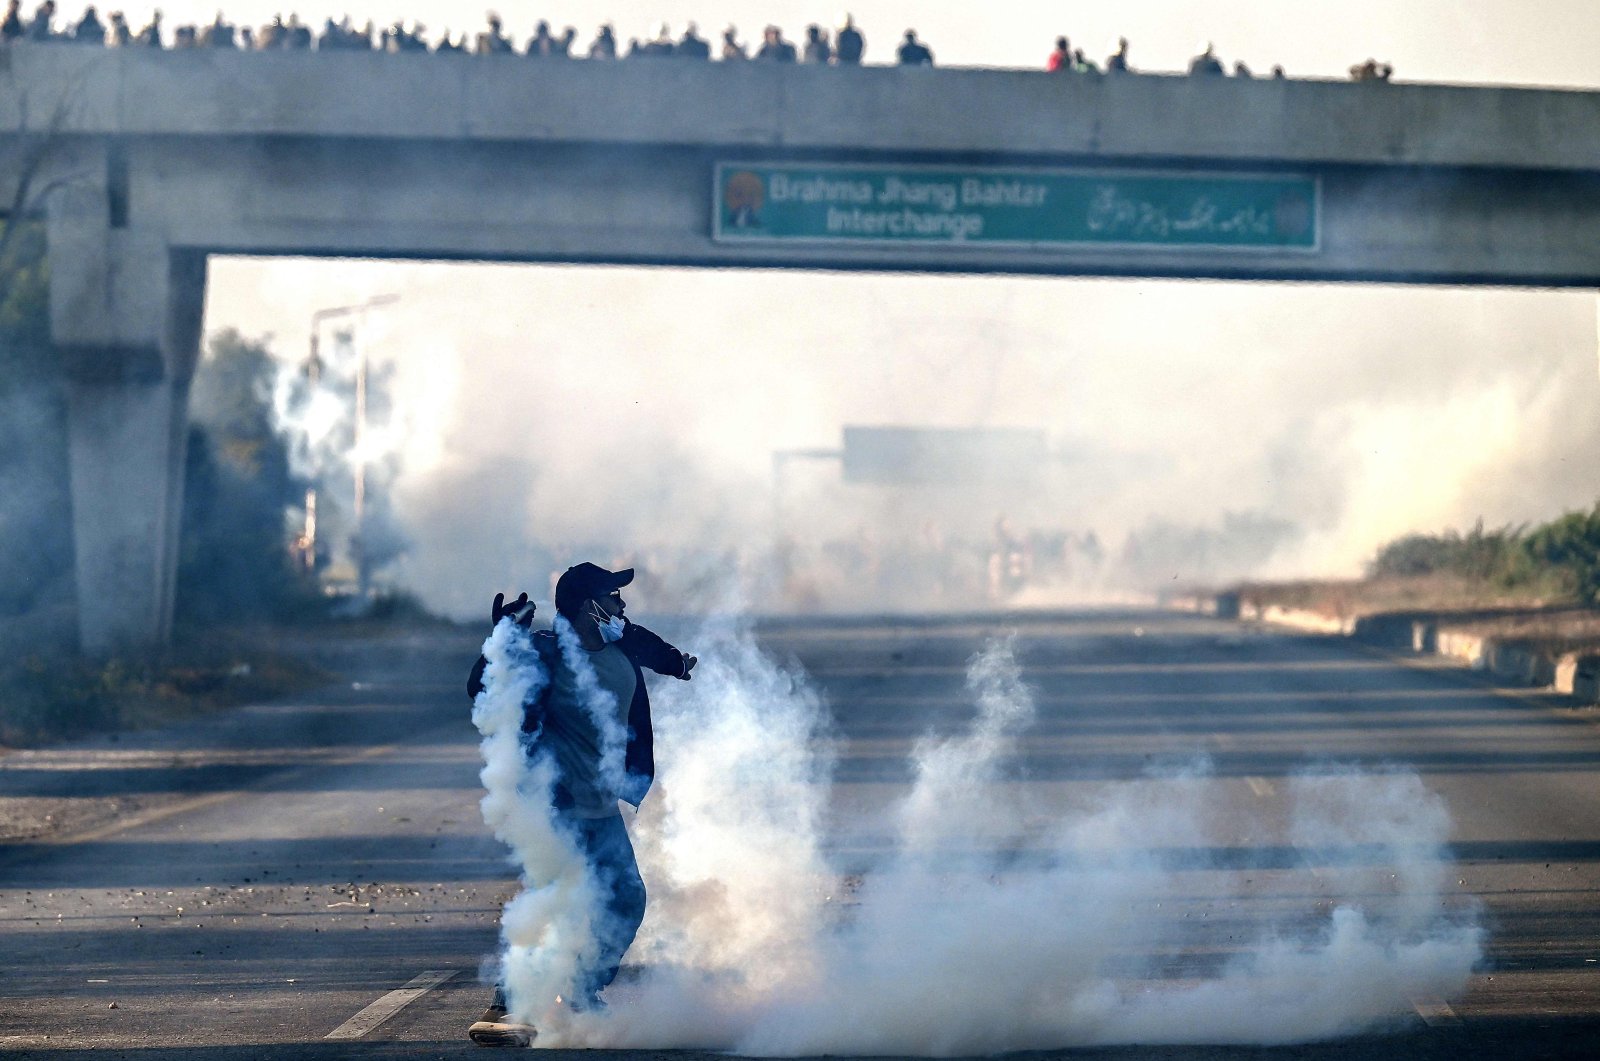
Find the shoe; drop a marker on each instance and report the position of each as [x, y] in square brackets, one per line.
[493, 1029]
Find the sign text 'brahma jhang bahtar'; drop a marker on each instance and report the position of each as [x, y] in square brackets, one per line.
[1025, 208]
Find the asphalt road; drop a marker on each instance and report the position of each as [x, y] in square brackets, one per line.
[297, 862]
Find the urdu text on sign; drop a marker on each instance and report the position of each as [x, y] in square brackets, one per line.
[790, 203]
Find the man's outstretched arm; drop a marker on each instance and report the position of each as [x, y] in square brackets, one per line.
[648, 649]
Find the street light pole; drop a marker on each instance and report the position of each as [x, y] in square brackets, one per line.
[307, 544]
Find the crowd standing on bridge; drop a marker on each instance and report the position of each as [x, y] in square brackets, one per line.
[1065, 59]
[844, 46]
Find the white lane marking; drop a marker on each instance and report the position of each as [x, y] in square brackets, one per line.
[390, 1004]
[1260, 786]
[1435, 1012]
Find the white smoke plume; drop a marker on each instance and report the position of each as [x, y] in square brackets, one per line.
[1299, 427]
[601, 704]
[545, 931]
[991, 924]
[741, 892]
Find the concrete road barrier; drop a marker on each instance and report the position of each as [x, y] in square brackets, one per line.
[1387, 631]
[1576, 674]
[1302, 619]
[1457, 644]
[1518, 664]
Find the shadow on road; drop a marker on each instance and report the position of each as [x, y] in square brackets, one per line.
[1546, 1038]
[175, 863]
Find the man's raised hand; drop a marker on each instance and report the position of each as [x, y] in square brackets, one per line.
[502, 610]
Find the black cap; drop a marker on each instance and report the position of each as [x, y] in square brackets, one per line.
[588, 581]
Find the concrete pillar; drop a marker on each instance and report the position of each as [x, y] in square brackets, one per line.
[125, 316]
[121, 457]
[186, 301]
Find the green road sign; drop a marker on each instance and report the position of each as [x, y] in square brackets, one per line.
[1025, 208]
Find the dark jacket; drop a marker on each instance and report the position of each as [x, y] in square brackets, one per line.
[644, 648]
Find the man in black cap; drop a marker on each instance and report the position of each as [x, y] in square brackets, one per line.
[594, 658]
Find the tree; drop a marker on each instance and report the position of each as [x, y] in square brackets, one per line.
[1572, 543]
[28, 160]
[24, 304]
[234, 562]
[36, 583]
[36, 587]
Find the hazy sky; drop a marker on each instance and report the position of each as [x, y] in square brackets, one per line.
[547, 407]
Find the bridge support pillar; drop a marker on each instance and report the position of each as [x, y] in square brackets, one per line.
[126, 316]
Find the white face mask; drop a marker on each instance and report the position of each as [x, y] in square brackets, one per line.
[611, 626]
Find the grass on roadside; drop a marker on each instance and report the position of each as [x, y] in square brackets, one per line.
[49, 698]
[1350, 598]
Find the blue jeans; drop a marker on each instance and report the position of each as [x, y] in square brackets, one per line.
[605, 844]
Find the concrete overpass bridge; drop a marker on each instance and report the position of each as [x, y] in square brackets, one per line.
[155, 160]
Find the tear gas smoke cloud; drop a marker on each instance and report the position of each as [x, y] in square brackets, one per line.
[348, 440]
[317, 407]
[1234, 429]
[602, 707]
[37, 603]
[984, 928]
[545, 930]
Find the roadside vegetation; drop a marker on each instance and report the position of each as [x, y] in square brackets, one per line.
[1536, 585]
[53, 696]
[238, 587]
[235, 576]
[1554, 562]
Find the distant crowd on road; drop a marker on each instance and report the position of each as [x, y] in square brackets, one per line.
[844, 46]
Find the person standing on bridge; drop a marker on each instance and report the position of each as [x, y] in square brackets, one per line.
[89, 29]
[150, 35]
[605, 44]
[913, 52]
[41, 29]
[848, 44]
[691, 45]
[493, 41]
[11, 27]
[817, 50]
[1060, 60]
[774, 49]
[591, 647]
[542, 45]
[1118, 62]
[1206, 64]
